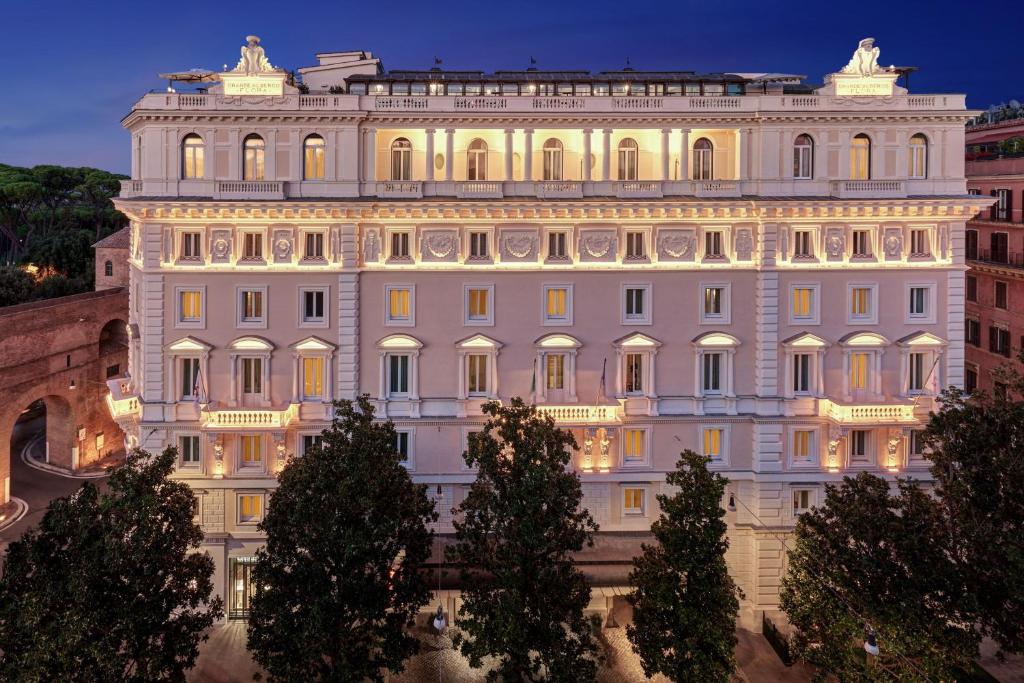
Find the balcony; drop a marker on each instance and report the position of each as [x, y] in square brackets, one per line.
[716, 188]
[1008, 259]
[400, 189]
[559, 189]
[882, 413]
[868, 189]
[122, 401]
[249, 189]
[643, 189]
[581, 414]
[243, 419]
[1003, 165]
[479, 189]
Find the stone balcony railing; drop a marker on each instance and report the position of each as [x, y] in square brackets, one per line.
[909, 412]
[245, 418]
[122, 402]
[400, 189]
[582, 414]
[479, 189]
[868, 189]
[249, 189]
[559, 189]
[716, 188]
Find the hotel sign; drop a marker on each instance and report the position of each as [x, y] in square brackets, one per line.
[252, 85]
[865, 86]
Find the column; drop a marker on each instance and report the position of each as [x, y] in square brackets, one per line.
[587, 171]
[743, 160]
[428, 163]
[508, 154]
[449, 153]
[606, 154]
[664, 154]
[295, 377]
[370, 154]
[528, 155]
[684, 154]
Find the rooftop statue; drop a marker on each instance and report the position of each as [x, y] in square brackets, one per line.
[865, 60]
[253, 59]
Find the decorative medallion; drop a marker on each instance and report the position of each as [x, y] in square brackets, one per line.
[440, 244]
[597, 246]
[519, 245]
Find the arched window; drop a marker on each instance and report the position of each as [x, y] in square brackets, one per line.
[401, 159]
[108, 269]
[703, 159]
[314, 152]
[476, 160]
[254, 150]
[918, 161]
[803, 157]
[860, 157]
[192, 157]
[628, 151]
[552, 159]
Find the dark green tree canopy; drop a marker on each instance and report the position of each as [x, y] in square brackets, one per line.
[339, 577]
[523, 599]
[869, 556]
[684, 601]
[109, 586]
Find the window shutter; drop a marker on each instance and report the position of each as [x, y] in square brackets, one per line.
[993, 209]
[1009, 206]
[993, 338]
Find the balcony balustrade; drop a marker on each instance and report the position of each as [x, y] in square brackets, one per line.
[249, 189]
[638, 189]
[559, 189]
[400, 189]
[717, 188]
[898, 413]
[479, 189]
[582, 414]
[999, 257]
[236, 419]
[868, 189]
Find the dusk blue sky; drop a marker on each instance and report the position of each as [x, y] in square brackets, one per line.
[72, 69]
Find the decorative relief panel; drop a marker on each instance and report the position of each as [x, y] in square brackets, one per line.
[744, 247]
[282, 244]
[519, 245]
[598, 246]
[676, 244]
[439, 246]
[371, 245]
[220, 245]
[892, 244]
[835, 243]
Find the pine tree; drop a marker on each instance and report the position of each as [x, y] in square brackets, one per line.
[339, 577]
[523, 599]
[871, 559]
[109, 586]
[684, 601]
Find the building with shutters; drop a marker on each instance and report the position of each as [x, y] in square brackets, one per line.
[762, 270]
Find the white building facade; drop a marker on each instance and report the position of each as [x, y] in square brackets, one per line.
[742, 265]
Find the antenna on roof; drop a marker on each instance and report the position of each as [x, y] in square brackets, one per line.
[629, 66]
[437, 63]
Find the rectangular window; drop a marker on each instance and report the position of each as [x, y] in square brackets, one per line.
[972, 288]
[557, 305]
[633, 445]
[861, 303]
[1000, 297]
[555, 370]
[712, 373]
[916, 379]
[917, 446]
[189, 450]
[634, 373]
[919, 302]
[972, 332]
[859, 370]
[314, 246]
[713, 244]
[399, 305]
[557, 245]
[191, 246]
[971, 244]
[478, 304]
[250, 508]
[713, 302]
[713, 438]
[801, 501]
[313, 306]
[635, 248]
[313, 377]
[802, 244]
[919, 242]
[252, 305]
[252, 375]
[191, 305]
[189, 378]
[861, 243]
[999, 341]
[399, 245]
[311, 441]
[970, 379]
[478, 245]
[398, 374]
[252, 246]
[476, 371]
[802, 443]
[252, 450]
[402, 445]
[635, 303]
[859, 446]
[803, 303]
[632, 501]
[1001, 210]
[998, 248]
[801, 373]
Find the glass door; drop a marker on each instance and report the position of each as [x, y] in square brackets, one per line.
[241, 586]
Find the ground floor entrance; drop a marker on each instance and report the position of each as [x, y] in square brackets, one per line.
[241, 586]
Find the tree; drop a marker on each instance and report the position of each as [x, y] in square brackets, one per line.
[684, 601]
[339, 577]
[976, 444]
[523, 598]
[871, 558]
[109, 586]
[15, 286]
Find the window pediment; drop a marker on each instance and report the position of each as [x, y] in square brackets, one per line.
[251, 344]
[864, 338]
[921, 338]
[637, 340]
[478, 342]
[399, 342]
[805, 340]
[716, 340]
[557, 341]
[313, 343]
[187, 345]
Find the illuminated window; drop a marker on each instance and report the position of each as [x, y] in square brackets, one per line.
[252, 450]
[476, 160]
[859, 363]
[314, 246]
[478, 304]
[191, 246]
[192, 150]
[860, 157]
[803, 304]
[633, 445]
[803, 244]
[250, 508]
[558, 304]
[862, 304]
[399, 245]
[189, 452]
[918, 157]
[313, 377]
[252, 305]
[253, 158]
[711, 372]
[188, 369]
[252, 246]
[634, 373]
[478, 248]
[632, 501]
[476, 374]
[398, 374]
[401, 159]
[861, 243]
[190, 305]
[399, 305]
[252, 376]
[554, 370]
[803, 157]
[713, 438]
[802, 501]
[803, 440]
[314, 155]
[552, 159]
[628, 150]
[703, 159]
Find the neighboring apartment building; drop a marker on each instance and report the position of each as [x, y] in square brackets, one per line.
[995, 246]
[760, 270]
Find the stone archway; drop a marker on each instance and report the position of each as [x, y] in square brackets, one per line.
[61, 432]
[113, 348]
